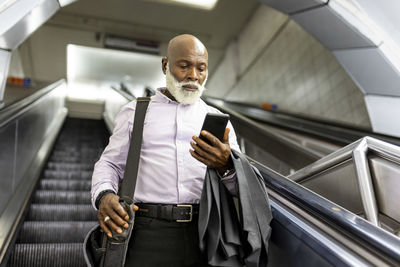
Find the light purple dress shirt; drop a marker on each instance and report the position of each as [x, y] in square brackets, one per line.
[168, 173]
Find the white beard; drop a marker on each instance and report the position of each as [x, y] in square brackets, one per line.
[181, 95]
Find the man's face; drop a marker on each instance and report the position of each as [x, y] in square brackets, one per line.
[186, 70]
[189, 68]
[184, 92]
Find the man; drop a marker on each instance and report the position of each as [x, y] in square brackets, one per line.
[172, 165]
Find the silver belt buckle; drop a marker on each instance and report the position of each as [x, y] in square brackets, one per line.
[190, 213]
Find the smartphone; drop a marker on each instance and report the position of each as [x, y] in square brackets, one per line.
[215, 124]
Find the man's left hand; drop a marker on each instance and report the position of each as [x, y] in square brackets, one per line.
[216, 156]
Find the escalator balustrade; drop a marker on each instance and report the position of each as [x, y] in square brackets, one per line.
[60, 213]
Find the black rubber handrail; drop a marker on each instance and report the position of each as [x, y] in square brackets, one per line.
[127, 95]
[8, 113]
[285, 149]
[341, 134]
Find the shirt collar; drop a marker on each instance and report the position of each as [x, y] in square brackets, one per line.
[160, 97]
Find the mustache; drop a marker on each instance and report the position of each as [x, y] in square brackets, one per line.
[190, 83]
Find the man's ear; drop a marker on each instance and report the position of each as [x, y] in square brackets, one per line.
[164, 63]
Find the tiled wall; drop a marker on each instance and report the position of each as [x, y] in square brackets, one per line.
[275, 61]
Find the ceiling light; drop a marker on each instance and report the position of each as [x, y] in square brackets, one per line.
[202, 4]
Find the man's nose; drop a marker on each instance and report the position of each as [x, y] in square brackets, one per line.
[193, 75]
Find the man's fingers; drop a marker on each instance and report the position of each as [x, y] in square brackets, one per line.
[104, 226]
[113, 226]
[225, 140]
[214, 140]
[118, 220]
[203, 145]
[199, 158]
[200, 151]
[120, 210]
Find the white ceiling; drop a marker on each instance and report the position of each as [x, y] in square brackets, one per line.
[157, 21]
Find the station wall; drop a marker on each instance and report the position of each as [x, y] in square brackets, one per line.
[43, 54]
[273, 60]
[16, 69]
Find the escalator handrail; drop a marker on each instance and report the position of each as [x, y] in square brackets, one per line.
[13, 111]
[285, 149]
[339, 133]
[128, 96]
[331, 213]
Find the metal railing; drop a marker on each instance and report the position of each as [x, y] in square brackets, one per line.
[28, 130]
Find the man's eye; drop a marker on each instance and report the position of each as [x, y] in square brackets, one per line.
[183, 66]
[201, 69]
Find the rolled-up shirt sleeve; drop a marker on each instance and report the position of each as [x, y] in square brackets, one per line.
[111, 165]
[230, 181]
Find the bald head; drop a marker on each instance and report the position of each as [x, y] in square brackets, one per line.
[184, 45]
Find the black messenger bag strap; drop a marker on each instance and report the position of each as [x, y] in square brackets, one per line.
[128, 184]
[103, 251]
[117, 246]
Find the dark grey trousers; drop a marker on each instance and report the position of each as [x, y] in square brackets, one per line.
[159, 243]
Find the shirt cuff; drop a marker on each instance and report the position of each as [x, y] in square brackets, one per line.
[98, 190]
[100, 197]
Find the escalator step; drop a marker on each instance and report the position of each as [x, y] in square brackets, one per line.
[57, 184]
[56, 174]
[61, 212]
[55, 232]
[61, 197]
[88, 160]
[47, 255]
[69, 166]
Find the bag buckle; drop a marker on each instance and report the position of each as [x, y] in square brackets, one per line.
[190, 213]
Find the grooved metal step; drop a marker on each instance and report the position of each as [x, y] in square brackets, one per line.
[69, 166]
[61, 197]
[61, 212]
[47, 255]
[55, 232]
[58, 184]
[56, 174]
[72, 159]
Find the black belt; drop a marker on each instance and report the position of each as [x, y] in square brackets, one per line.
[169, 212]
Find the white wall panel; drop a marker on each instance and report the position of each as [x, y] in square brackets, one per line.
[225, 76]
[384, 114]
[16, 69]
[257, 34]
[334, 30]
[26, 25]
[291, 6]
[5, 57]
[371, 70]
[47, 50]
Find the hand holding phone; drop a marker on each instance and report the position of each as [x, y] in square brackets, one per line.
[213, 155]
[215, 124]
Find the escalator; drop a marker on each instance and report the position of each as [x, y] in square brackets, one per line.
[60, 213]
[48, 210]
